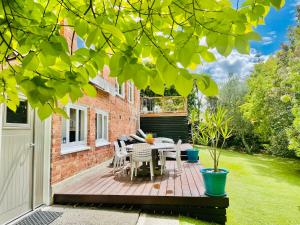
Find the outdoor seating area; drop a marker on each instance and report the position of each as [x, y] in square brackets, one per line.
[149, 177]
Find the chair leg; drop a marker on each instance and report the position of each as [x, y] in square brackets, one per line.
[132, 170]
[115, 164]
[151, 170]
[178, 164]
[135, 167]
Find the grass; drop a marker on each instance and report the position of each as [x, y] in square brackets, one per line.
[262, 189]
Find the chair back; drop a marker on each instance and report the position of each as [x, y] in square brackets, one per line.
[142, 133]
[138, 139]
[117, 149]
[123, 147]
[141, 152]
[178, 148]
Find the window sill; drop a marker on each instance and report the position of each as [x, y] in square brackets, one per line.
[101, 143]
[75, 148]
[120, 96]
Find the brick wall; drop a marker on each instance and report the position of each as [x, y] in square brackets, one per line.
[123, 119]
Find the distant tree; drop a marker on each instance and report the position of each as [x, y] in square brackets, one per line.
[231, 97]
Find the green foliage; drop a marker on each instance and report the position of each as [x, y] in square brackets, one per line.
[273, 100]
[214, 129]
[231, 97]
[151, 42]
[193, 121]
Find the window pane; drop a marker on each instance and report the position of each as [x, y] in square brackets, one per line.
[81, 125]
[72, 130]
[100, 124]
[105, 128]
[64, 131]
[20, 116]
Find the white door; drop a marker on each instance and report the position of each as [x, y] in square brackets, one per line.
[16, 162]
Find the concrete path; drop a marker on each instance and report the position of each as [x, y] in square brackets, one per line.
[96, 216]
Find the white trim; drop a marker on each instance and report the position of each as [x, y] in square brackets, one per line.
[73, 148]
[47, 161]
[130, 86]
[122, 94]
[18, 125]
[101, 141]
[70, 147]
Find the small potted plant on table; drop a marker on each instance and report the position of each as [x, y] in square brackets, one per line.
[214, 129]
[193, 153]
[149, 139]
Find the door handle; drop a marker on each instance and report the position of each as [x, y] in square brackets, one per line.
[31, 145]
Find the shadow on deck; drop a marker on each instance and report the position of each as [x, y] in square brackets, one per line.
[174, 192]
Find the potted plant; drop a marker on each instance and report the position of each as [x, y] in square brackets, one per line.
[193, 153]
[149, 139]
[214, 130]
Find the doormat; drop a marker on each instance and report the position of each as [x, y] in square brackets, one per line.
[40, 218]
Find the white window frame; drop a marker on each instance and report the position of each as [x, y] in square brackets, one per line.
[130, 92]
[102, 141]
[76, 146]
[122, 94]
[18, 125]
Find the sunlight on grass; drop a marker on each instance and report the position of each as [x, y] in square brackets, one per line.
[262, 189]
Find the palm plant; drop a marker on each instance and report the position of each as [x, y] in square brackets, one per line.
[193, 119]
[214, 130]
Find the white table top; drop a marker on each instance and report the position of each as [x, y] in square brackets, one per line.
[157, 145]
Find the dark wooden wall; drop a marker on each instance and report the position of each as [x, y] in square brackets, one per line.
[175, 127]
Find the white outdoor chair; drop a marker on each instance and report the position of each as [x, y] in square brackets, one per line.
[141, 153]
[119, 157]
[171, 154]
[124, 150]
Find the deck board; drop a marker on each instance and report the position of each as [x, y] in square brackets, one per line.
[180, 190]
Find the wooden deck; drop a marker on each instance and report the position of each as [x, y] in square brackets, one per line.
[176, 192]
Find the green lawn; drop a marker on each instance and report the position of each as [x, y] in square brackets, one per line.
[262, 189]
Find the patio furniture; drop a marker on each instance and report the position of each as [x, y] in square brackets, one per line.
[141, 153]
[137, 138]
[176, 154]
[155, 153]
[158, 139]
[119, 157]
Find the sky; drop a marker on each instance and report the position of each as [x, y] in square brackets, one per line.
[273, 34]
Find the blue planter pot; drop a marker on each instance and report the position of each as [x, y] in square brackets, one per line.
[214, 182]
[192, 155]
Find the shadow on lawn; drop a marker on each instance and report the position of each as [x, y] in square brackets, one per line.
[285, 170]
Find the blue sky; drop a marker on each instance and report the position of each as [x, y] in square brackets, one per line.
[274, 32]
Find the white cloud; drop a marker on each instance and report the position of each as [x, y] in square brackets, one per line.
[235, 63]
[269, 39]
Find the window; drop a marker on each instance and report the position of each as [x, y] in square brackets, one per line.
[74, 130]
[130, 92]
[120, 89]
[101, 128]
[18, 117]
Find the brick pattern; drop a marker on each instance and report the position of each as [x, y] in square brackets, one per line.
[123, 120]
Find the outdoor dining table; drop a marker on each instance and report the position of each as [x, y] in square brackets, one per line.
[156, 147]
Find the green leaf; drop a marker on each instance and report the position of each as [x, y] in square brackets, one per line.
[253, 36]
[184, 83]
[114, 31]
[277, 3]
[92, 37]
[207, 85]
[44, 111]
[30, 62]
[242, 45]
[89, 90]
[208, 56]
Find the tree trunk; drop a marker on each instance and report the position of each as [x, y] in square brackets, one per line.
[248, 149]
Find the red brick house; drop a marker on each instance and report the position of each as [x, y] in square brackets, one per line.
[86, 139]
